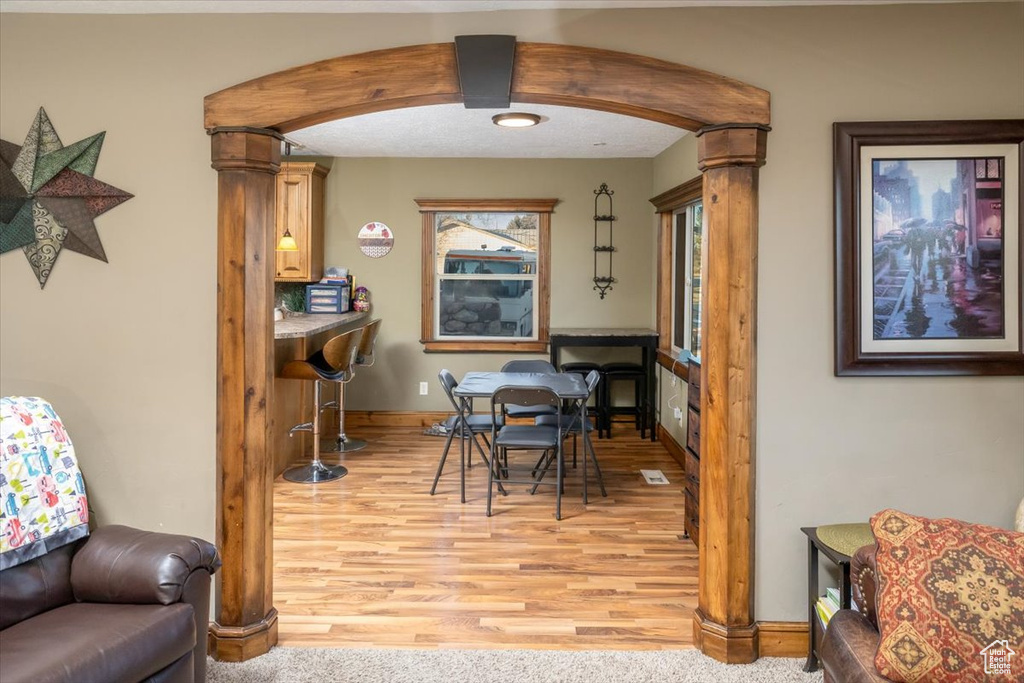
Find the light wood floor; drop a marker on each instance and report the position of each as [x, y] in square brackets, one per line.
[372, 560]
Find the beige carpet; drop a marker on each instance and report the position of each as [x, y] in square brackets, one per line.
[299, 665]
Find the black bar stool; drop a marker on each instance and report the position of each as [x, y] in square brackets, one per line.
[364, 359]
[333, 363]
[628, 372]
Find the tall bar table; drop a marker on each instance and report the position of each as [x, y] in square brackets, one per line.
[644, 338]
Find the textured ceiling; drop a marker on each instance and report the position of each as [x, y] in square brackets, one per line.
[376, 6]
[451, 130]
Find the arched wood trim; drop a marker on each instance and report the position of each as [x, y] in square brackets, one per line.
[633, 85]
[542, 73]
[412, 76]
[246, 121]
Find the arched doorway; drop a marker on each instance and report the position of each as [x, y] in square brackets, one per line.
[245, 123]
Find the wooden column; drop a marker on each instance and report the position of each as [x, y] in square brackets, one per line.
[724, 626]
[245, 621]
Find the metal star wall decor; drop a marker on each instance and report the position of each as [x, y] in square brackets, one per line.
[48, 197]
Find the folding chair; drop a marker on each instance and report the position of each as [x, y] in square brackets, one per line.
[525, 437]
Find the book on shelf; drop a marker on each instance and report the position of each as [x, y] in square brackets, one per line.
[833, 594]
[831, 600]
[825, 609]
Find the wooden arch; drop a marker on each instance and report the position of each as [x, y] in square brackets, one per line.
[245, 122]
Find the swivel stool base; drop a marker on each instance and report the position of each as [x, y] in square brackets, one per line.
[344, 444]
[314, 473]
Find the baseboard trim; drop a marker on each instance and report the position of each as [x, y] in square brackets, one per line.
[393, 418]
[671, 445]
[241, 643]
[782, 638]
[727, 644]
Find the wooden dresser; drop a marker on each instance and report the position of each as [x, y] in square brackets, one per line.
[691, 492]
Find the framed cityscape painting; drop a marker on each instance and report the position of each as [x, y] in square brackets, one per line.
[928, 259]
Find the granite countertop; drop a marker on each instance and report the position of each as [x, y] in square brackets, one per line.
[298, 325]
[602, 332]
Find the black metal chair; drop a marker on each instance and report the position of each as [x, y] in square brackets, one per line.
[597, 409]
[570, 424]
[540, 366]
[333, 363]
[525, 437]
[477, 425]
[364, 358]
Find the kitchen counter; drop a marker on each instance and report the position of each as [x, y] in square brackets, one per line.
[299, 325]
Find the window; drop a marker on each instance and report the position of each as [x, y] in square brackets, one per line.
[680, 264]
[686, 268]
[485, 274]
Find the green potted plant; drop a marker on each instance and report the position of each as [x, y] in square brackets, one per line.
[294, 298]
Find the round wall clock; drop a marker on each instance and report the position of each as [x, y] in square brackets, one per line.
[376, 239]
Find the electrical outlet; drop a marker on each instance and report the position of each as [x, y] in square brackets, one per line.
[423, 388]
[677, 413]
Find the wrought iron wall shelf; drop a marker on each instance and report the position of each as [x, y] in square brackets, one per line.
[603, 279]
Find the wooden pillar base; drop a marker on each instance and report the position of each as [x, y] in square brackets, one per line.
[728, 644]
[237, 644]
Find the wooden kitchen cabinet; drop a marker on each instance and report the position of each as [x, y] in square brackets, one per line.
[300, 210]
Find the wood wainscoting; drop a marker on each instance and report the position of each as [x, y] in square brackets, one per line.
[782, 638]
[394, 418]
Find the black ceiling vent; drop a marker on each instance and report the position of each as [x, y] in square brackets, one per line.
[485, 70]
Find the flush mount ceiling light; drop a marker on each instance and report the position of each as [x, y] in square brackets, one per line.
[515, 119]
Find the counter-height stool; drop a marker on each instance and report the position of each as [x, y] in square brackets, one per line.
[364, 359]
[333, 363]
[628, 372]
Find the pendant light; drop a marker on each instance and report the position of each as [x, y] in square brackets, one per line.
[287, 242]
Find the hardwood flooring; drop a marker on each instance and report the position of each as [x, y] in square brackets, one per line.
[372, 560]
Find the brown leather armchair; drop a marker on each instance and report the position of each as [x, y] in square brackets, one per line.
[120, 605]
[848, 649]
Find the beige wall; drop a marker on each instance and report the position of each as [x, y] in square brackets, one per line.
[674, 166]
[364, 190]
[838, 450]
[126, 350]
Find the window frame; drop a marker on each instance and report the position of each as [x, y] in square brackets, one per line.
[429, 208]
[687, 263]
[667, 205]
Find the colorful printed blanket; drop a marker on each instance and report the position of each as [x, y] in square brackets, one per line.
[42, 494]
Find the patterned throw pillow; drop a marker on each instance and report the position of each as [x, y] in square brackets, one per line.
[946, 591]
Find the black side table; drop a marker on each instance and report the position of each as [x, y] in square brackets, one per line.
[815, 631]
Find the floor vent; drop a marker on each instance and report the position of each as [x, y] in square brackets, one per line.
[654, 477]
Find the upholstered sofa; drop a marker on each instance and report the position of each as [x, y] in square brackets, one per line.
[940, 600]
[848, 649]
[121, 605]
